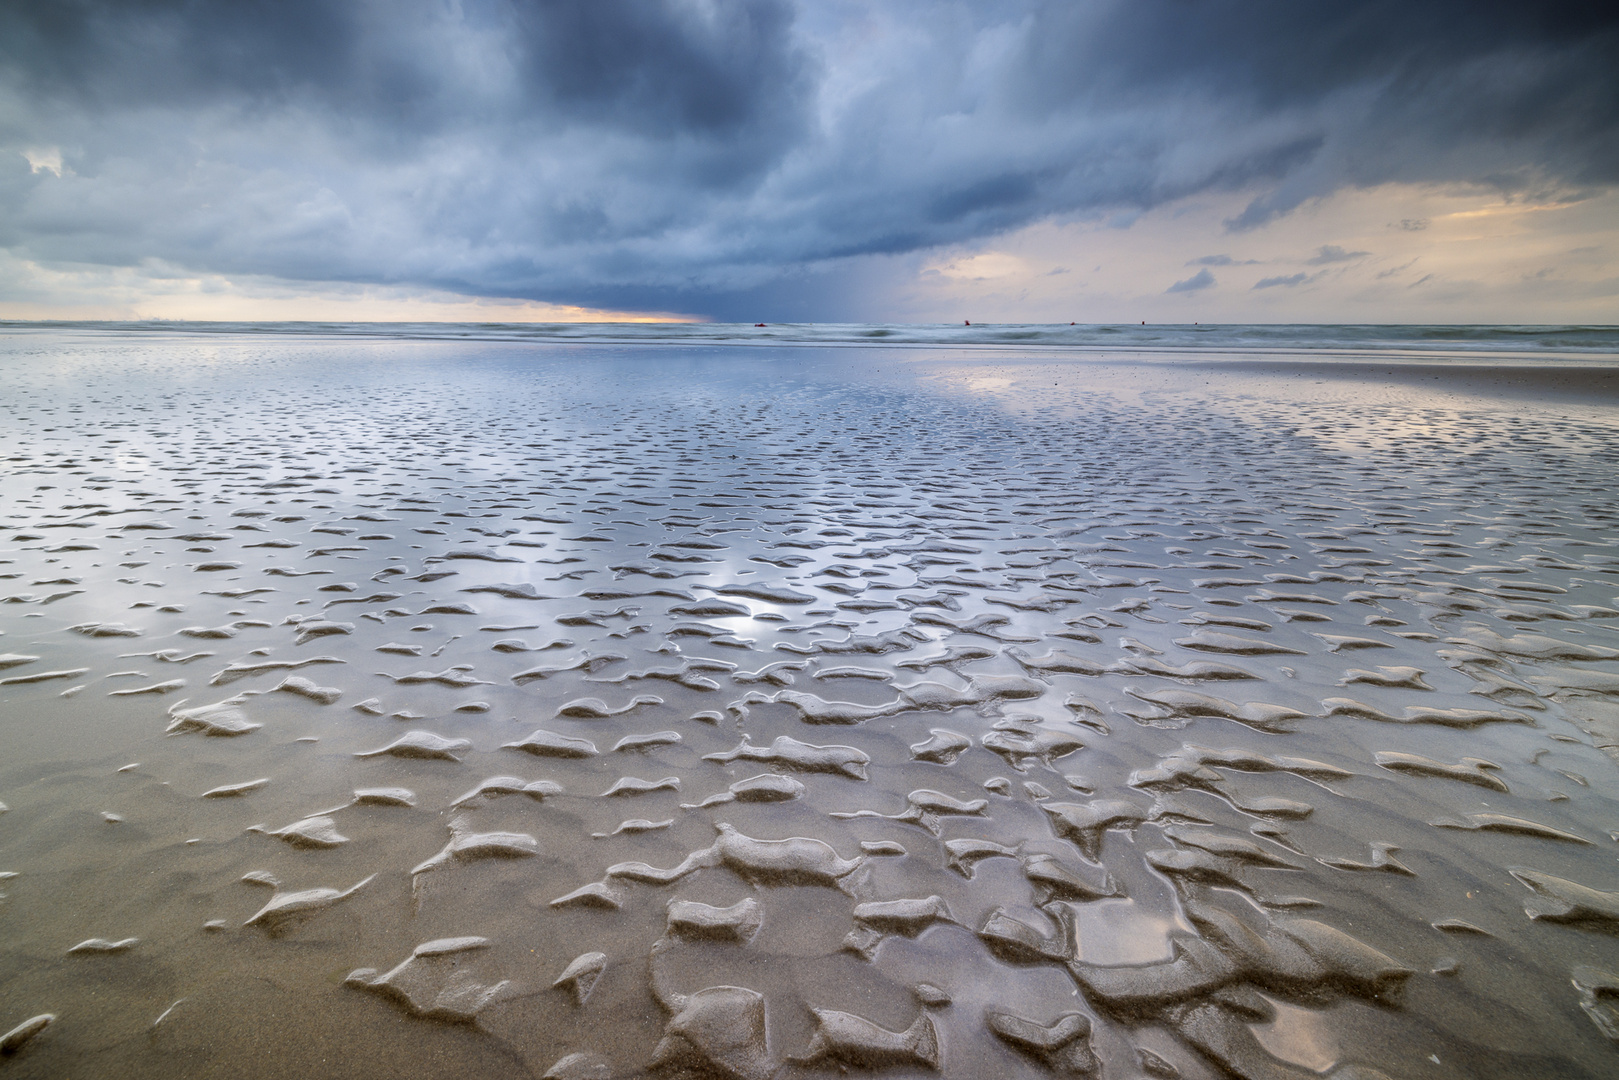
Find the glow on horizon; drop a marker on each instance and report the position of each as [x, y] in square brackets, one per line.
[154, 291]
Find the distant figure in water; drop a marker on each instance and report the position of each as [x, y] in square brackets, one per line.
[967, 322]
[758, 324]
[1143, 322]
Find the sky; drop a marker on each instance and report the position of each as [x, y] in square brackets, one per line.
[825, 161]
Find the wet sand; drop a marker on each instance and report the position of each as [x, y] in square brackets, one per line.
[488, 709]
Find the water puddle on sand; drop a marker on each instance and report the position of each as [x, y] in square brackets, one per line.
[455, 709]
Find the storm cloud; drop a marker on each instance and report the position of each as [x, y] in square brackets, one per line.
[718, 156]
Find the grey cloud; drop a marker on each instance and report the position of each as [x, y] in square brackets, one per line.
[1200, 280]
[642, 65]
[1332, 253]
[1220, 260]
[1287, 281]
[707, 155]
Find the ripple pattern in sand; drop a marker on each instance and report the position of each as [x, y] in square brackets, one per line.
[775, 714]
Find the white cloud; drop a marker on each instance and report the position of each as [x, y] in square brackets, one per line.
[982, 266]
[44, 159]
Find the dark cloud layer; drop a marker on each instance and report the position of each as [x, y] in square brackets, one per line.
[721, 155]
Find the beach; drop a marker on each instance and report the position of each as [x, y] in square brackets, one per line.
[483, 704]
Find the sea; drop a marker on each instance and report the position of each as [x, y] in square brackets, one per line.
[1394, 339]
